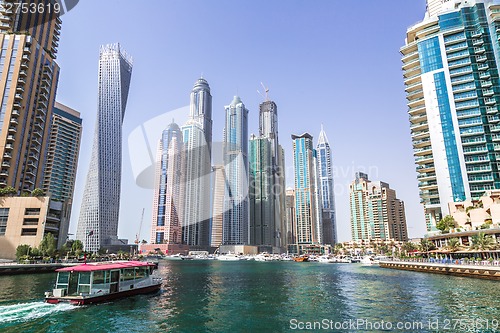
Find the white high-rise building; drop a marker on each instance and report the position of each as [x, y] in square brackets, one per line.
[450, 68]
[197, 133]
[98, 222]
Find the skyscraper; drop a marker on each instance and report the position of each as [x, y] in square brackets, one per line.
[376, 213]
[236, 205]
[98, 223]
[197, 134]
[62, 154]
[219, 187]
[62, 162]
[291, 219]
[166, 227]
[325, 178]
[450, 69]
[28, 83]
[267, 179]
[307, 204]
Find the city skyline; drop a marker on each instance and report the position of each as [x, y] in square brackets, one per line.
[399, 170]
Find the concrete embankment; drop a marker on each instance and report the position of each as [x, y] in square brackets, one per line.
[12, 269]
[480, 272]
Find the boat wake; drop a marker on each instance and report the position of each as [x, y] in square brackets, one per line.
[30, 311]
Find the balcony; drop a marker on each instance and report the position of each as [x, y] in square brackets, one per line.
[33, 156]
[4, 173]
[18, 97]
[12, 129]
[484, 75]
[23, 73]
[479, 50]
[490, 101]
[488, 92]
[481, 58]
[39, 125]
[6, 164]
[486, 83]
[477, 42]
[13, 121]
[27, 50]
[483, 67]
[9, 146]
[11, 138]
[15, 113]
[31, 172]
[491, 109]
[416, 102]
[419, 126]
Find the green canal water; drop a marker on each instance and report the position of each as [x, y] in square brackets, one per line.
[247, 296]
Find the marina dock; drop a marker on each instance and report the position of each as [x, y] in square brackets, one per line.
[474, 271]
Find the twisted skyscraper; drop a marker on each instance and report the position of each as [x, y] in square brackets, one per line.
[98, 223]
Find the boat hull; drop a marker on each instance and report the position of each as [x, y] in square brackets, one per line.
[103, 298]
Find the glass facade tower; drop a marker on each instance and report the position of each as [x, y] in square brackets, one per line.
[326, 186]
[307, 201]
[98, 222]
[236, 205]
[450, 69]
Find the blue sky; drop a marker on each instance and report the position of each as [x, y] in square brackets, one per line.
[329, 62]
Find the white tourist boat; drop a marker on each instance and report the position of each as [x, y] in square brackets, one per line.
[228, 257]
[326, 259]
[103, 281]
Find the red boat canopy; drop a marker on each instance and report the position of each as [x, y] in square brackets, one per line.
[105, 266]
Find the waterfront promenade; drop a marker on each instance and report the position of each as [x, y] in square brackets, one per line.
[35, 268]
[483, 269]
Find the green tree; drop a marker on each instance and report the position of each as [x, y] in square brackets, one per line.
[446, 223]
[8, 191]
[77, 247]
[481, 241]
[48, 245]
[22, 251]
[38, 192]
[426, 245]
[409, 247]
[453, 244]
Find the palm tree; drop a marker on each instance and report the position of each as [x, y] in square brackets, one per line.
[453, 244]
[426, 245]
[482, 242]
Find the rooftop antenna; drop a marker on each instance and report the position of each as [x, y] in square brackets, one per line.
[266, 90]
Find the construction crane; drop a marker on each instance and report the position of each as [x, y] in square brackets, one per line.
[266, 90]
[140, 226]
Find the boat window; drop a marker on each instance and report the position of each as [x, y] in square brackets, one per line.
[98, 277]
[140, 273]
[84, 283]
[127, 274]
[62, 280]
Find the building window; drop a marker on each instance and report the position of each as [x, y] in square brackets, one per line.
[28, 232]
[4, 216]
[30, 221]
[32, 211]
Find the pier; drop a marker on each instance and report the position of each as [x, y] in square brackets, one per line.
[15, 268]
[474, 271]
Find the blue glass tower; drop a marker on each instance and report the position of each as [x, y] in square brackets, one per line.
[236, 210]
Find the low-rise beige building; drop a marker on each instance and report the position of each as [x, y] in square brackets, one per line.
[25, 220]
[472, 215]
